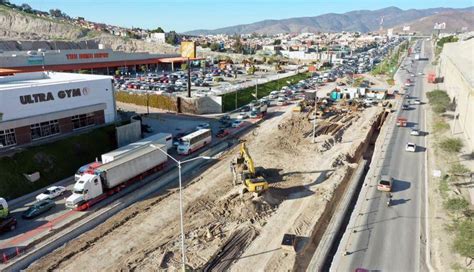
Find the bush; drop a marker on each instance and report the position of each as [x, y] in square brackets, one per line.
[456, 205]
[440, 126]
[439, 99]
[451, 145]
[464, 238]
[458, 169]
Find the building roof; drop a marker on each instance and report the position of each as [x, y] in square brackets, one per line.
[22, 80]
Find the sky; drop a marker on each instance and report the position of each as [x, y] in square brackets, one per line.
[186, 15]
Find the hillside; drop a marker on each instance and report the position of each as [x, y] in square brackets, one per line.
[35, 32]
[454, 20]
[361, 20]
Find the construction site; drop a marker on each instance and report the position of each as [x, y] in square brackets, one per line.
[283, 178]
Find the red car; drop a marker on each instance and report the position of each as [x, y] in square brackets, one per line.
[222, 133]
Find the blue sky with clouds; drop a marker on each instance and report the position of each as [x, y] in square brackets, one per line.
[184, 15]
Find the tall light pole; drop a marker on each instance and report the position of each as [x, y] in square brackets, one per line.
[183, 249]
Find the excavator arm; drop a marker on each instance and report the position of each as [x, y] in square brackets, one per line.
[248, 159]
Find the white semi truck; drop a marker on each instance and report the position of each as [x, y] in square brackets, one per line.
[112, 176]
[156, 139]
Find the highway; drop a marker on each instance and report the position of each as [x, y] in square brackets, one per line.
[389, 238]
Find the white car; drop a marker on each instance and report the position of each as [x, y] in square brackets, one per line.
[420, 73]
[236, 123]
[203, 126]
[415, 132]
[51, 192]
[417, 102]
[410, 147]
[242, 115]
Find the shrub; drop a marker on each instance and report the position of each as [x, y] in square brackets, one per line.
[464, 238]
[451, 145]
[458, 169]
[456, 205]
[440, 126]
[439, 99]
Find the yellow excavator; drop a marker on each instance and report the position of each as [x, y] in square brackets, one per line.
[244, 173]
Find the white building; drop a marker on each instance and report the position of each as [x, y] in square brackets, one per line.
[157, 37]
[43, 104]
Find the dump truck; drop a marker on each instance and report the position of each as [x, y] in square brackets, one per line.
[3, 208]
[111, 177]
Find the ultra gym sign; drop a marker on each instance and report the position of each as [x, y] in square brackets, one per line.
[45, 97]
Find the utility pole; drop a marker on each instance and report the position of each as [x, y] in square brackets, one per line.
[314, 128]
[256, 89]
[189, 78]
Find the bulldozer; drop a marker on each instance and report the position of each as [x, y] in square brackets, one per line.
[244, 173]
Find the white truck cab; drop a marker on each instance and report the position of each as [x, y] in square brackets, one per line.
[86, 188]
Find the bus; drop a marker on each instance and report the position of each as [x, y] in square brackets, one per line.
[194, 141]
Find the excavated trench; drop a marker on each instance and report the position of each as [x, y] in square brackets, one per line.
[364, 152]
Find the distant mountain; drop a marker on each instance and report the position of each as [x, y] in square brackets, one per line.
[360, 20]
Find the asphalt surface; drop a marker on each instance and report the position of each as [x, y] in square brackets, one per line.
[388, 238]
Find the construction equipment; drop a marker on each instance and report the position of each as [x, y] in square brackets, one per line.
[244, 173]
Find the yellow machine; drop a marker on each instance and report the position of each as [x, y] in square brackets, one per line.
[244, 172]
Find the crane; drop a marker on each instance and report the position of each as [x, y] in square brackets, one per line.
[244, 172]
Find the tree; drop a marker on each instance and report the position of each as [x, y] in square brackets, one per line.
[56, 13]
[25, 7]
[214, 46]
[172, 38]
[158, 30]
[277, 42]
[238, 46]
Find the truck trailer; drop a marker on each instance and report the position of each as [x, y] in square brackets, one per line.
[111, 177]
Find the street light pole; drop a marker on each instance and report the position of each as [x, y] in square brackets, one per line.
[181, 213]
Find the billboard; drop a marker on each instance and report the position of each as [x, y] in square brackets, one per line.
[440, 25]
[188, 49]
[406, 28]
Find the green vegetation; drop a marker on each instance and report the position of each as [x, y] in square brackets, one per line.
[463, 243]
[456, 205]
[448, 39]
[451, 145]
[443, 186]
[439, 100]
[440, 125]
[157, 30]
[154, 100]
[54, 161]
[246, 95]
[389, 65]
[458, 169]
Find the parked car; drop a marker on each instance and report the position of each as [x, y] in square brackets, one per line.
[236, 123]
[38, 208]
[51, 193]
[410, 147]
[7, 224]
[385, 183]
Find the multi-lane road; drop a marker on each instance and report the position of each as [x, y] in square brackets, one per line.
[392, 238]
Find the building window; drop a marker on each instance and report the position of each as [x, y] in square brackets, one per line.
[7, 137]
[83, 120]
[44, 129]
